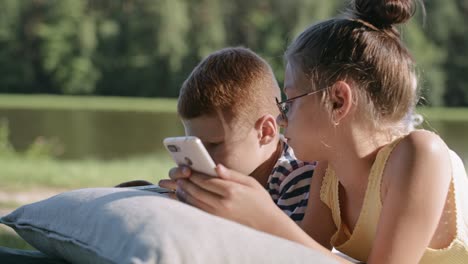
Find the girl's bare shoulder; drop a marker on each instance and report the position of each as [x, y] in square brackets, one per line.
[417, 155]
[420, 143]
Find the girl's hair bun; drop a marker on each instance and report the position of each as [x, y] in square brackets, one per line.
[383, 13]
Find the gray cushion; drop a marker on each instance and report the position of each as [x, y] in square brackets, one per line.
[119, 225]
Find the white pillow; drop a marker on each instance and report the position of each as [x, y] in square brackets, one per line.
[119, 225]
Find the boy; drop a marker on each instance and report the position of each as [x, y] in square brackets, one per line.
[228, 102]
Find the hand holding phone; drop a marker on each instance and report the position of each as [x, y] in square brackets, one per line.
[189, 151]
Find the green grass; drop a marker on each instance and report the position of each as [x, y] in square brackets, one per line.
[444, 113]
[9, 204]
[107, 103]
[20, 174]
[11, 240]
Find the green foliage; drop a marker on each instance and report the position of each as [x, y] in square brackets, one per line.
[172, 30]
[429, 59]
[42, 148]
[148, 47]
[210, 35]
[67, 42]
[444, 27]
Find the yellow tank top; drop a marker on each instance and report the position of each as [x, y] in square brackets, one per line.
[358, 244]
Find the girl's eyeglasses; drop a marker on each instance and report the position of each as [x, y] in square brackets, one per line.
[283, 106]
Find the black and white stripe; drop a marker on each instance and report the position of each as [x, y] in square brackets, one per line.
[289, 184]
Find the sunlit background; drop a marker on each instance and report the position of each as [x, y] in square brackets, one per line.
[88, 88]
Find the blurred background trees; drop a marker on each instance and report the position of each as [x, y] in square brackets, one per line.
[147, 47]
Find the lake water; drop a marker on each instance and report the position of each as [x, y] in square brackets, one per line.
[93, 134]
[116, 134]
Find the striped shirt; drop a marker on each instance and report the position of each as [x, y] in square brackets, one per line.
[289, 184]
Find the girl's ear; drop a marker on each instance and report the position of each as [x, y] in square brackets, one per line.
[342, 99]
[266, 128]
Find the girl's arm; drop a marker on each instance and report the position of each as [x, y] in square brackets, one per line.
[242, 199]
[418, 173]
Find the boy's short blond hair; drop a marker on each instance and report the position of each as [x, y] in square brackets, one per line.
[234, 81]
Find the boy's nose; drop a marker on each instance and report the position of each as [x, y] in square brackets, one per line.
[281, 121]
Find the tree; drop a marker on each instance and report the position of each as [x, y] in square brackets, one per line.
[444, 28]
[66, 42]
[148, 47]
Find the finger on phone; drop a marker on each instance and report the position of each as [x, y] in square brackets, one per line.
[180, 172]
[187, 191]
[168, 184]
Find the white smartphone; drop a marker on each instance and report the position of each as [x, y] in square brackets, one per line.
[189, 151]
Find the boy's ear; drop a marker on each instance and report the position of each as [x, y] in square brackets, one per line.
[267, 129]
